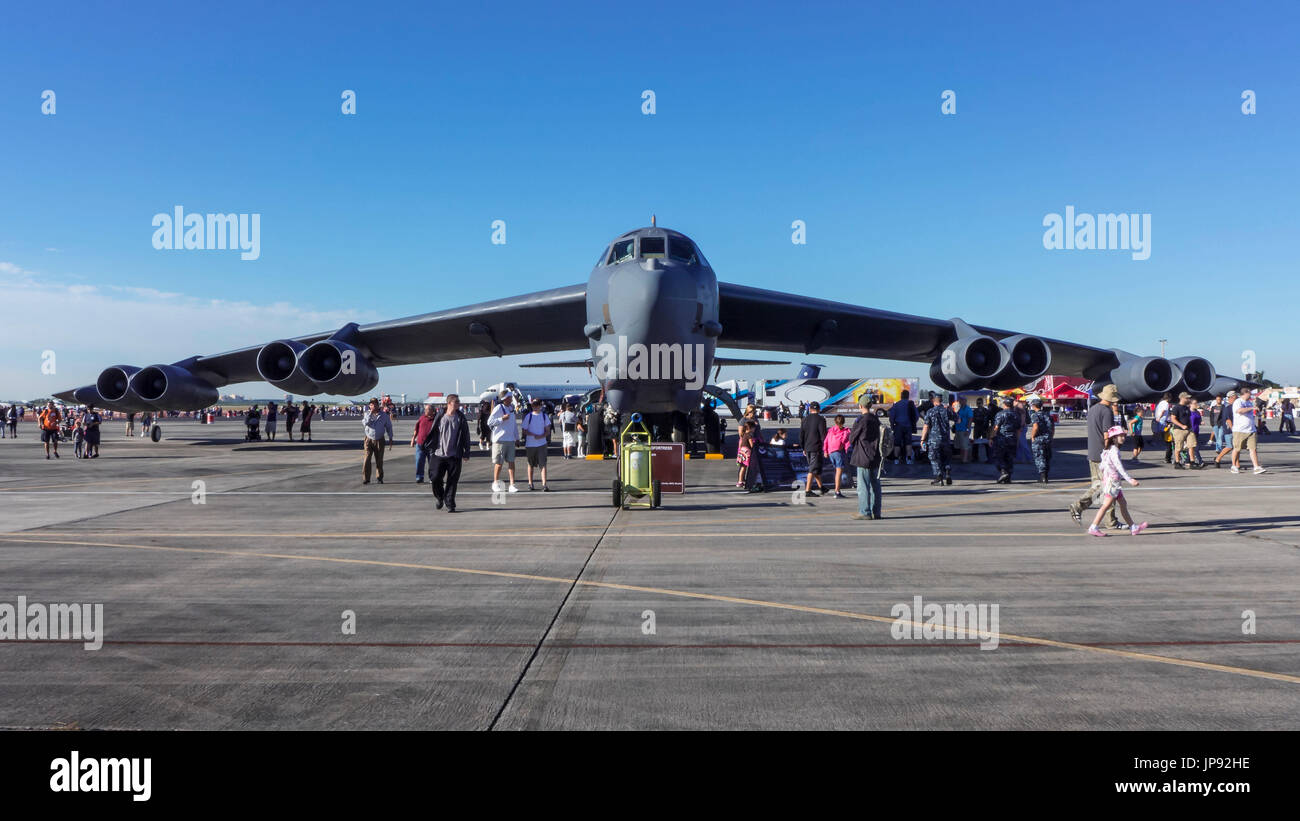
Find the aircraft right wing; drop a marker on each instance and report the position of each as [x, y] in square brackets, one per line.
[961, 356]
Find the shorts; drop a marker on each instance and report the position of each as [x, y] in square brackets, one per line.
[1243, 440]
[92, 437]
[963, 440]
[815, 462]
[536, 456]
[270, 426]
[1139, 441]
[902, 437]
[570, 438]
[503, 452]
[1181, 439]
[837, 459]
[1113, 490]
[50, 436]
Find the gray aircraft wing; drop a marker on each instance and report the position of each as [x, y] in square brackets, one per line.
[757, 319]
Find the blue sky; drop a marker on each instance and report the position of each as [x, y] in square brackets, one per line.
[531, 113]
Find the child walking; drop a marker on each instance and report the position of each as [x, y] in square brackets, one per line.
[1112, 471]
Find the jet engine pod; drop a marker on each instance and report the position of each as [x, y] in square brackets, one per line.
[337, 368]
[1198, 375]
[1223, 384]
[1144, 377]
[114, 382]
[1028, 358]
[969, 363]
[168, 387]
[89, 395]
[277, 363]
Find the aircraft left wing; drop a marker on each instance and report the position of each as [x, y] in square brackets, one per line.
[346, 361]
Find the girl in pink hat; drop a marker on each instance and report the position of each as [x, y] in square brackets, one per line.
[1112, 472]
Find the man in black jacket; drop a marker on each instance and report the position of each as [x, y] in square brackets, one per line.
[865, 455]
[448, 446]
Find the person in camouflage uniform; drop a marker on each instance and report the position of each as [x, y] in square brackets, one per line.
[937, 436]
[1003, 439]
[1040, 437]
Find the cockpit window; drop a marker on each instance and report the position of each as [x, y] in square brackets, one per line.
[682, 250]
[652, 248]
[621, 250]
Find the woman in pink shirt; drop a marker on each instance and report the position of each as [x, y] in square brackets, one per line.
[836, 448]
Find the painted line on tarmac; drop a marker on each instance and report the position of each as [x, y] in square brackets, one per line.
[1131, 655]
[565, 645]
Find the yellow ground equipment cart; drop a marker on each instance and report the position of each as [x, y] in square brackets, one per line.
[635, 485]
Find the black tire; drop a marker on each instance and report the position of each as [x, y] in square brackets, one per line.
[618, 493]
[655, 498]
[156, 434]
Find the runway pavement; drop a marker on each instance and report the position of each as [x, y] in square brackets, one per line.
[554, 611]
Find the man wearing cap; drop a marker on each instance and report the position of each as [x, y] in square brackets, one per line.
[812, 438]
[866, 456]
[1101, 418]
[422, 427]
[938, 442]
[1040, 437]
[376, 424]
[1003, 438]
[1180, 423]
[1243, 433]
[504, 422]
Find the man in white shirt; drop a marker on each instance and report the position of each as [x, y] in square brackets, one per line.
[504, 423]
[1160, 423]
[537, 430]
[1243, 433]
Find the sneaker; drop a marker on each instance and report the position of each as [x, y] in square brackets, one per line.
[1236, 469]
[419, 480]
[1138, 528]
[1093, 531]
[1076, 514]
[438, 503]
[936, 481]
[839, 495]
[545, 489]
[530, 486]
[496, 487]
[947, 480]
[895, 461]
[1258, 471]
[910, 460]
[512, 489]
[859, 516]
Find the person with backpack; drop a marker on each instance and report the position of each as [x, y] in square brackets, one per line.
[536, 426]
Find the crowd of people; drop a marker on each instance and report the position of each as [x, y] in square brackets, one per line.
[942, 432]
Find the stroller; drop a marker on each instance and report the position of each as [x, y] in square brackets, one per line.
[253, 425]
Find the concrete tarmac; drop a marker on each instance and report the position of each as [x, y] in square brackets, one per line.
[229, 573]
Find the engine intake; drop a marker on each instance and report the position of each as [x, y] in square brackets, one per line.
[115, 381]
[1028, 357]
[1198, 375]
[277, 363]
[968, 363]
[338, 368]
[1144, 377]
[168, 387]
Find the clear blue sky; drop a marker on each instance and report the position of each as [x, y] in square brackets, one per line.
[531, 113]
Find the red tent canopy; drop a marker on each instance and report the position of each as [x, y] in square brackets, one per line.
[1063, 391]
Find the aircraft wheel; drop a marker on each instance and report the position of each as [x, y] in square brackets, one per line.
[156, 434]
[655, 499]
[618, 493]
